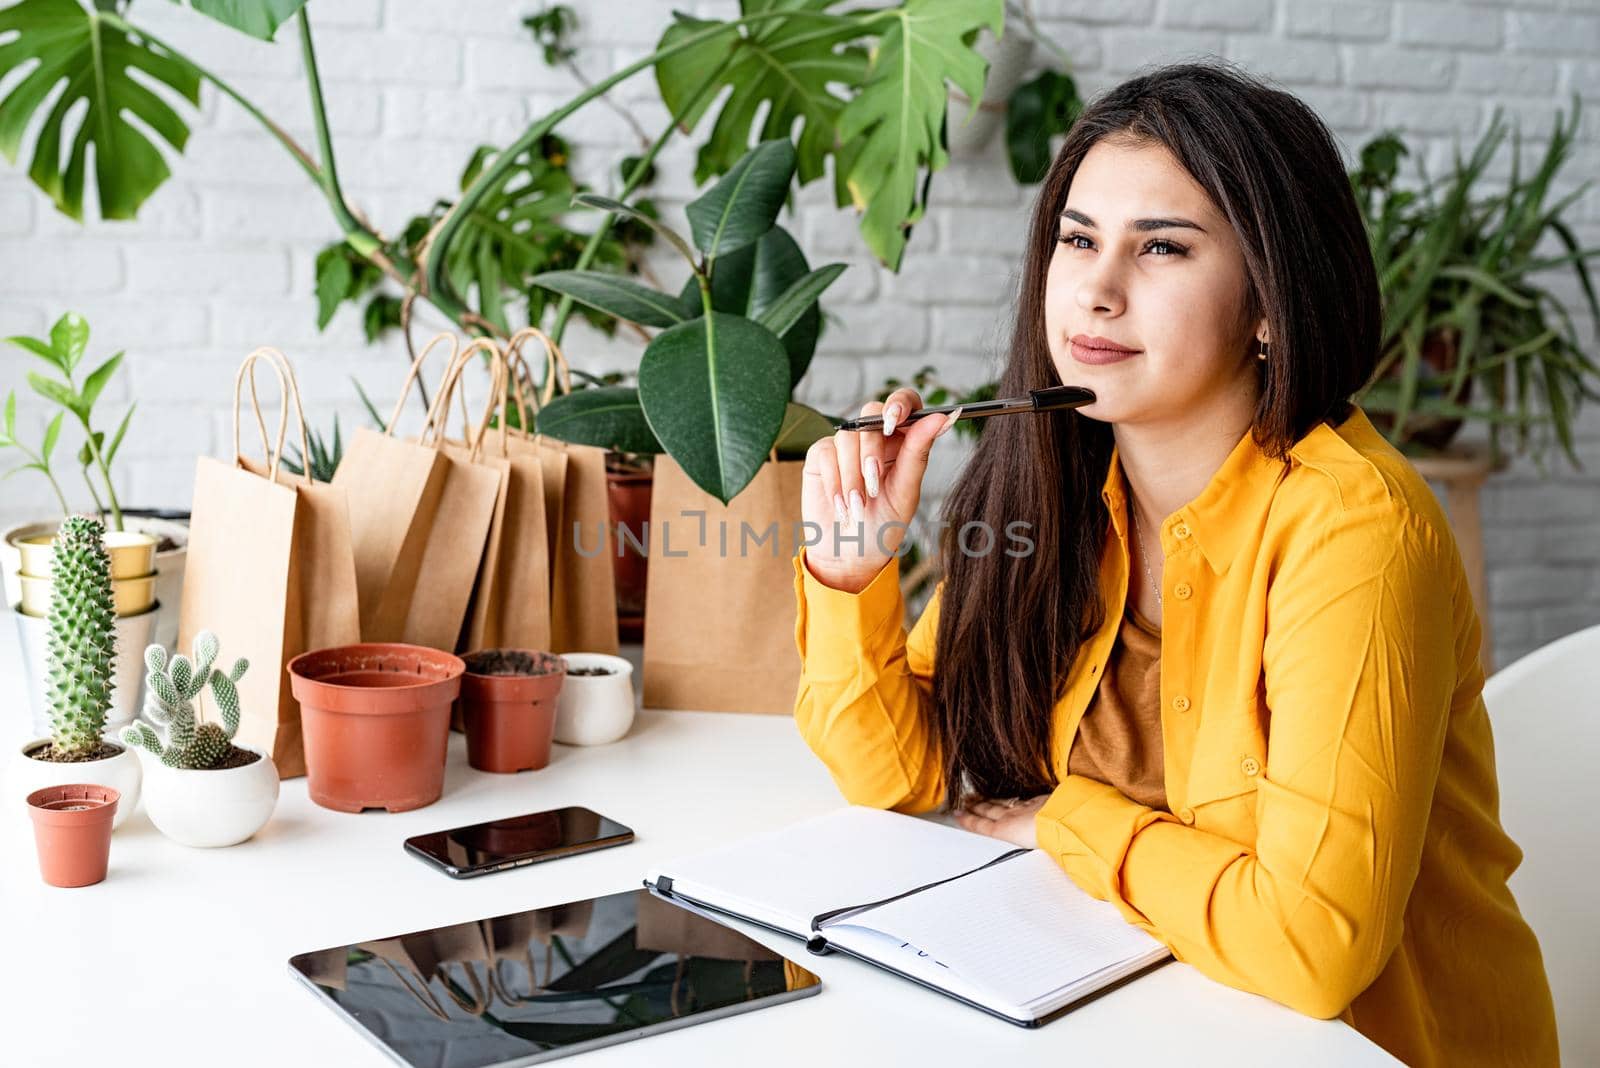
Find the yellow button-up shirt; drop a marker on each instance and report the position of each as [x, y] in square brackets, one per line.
[1334, 840]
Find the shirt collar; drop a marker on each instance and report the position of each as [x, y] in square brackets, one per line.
[1231, 504]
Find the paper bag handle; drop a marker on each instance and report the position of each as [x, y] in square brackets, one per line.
[439, 415]
[517, 369]
[416, 369]
[555, 360]
[290, 391]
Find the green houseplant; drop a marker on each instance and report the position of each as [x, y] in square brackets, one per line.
[714, 385]
[146, 557]
[202, 788]
[63, 351]
[864, 86]
[1465, 310]
[80, 659]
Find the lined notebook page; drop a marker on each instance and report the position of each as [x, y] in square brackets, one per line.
[1021, 931]
[847, 857]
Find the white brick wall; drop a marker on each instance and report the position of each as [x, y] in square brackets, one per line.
[220, 259]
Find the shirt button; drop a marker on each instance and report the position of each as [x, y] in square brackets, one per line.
[1183, 590]
[1180, 530]
[1180, 703]
[1250, 765]
[1186, 814]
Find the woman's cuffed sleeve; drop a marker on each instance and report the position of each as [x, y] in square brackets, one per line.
[863, 686]
[1359, 665]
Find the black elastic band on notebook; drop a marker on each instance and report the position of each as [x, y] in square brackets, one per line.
[822, 917]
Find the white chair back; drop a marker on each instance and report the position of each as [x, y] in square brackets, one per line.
[1545, 710]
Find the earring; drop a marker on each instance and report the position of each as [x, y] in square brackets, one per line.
[1262, 353]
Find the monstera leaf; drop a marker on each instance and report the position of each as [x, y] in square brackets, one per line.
[900, 111]
[510, 231]
[715, 390]
[91, 57]
[258, 18]
[785, 63]
[884, 135]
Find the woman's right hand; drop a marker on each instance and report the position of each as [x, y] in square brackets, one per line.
[858, 482]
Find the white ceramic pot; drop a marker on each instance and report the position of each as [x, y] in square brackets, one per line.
[595, 709]
[205, 809]
[134, 635]
[121, 772]
[169, 566]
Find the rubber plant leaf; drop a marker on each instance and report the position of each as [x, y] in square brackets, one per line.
[715, 390]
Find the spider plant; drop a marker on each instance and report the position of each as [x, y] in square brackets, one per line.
[1465, 300]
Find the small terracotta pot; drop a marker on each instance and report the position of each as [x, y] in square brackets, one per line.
[72, 829]
[508, 706]
[375, 718]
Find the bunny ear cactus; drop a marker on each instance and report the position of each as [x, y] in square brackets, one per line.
[82, 643]
[175, 685]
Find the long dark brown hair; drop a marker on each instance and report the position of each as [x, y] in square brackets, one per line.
[1007, 641]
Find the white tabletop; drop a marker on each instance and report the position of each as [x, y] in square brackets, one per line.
[180, 956]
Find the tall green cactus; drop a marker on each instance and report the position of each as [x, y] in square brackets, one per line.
[174, 687]
[82, 647]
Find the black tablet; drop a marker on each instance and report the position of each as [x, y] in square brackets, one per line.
[537, 985]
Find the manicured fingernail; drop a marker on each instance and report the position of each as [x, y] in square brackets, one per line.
[858, 507]
[869, 471]
[891, 415]
[839, 508]
[951, 422]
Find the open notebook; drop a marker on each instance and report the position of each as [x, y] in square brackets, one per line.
[1001, 928]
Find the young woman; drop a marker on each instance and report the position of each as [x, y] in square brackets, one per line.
[1290, 780]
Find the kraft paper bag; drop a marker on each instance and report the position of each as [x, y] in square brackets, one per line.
[583, 581]
[583, 595]
[719, 603]
[393, 487]
[511, 605]
[452, 553]
[270, 571]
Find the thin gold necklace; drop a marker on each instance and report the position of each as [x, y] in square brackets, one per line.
[1144, 557]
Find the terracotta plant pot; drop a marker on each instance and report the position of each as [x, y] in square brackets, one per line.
[72, 828]
[508, 705]
[628, 494]
[375, 718]
[1431, 433]
[122, 772]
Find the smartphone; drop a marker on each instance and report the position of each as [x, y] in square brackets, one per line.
[518, 840]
